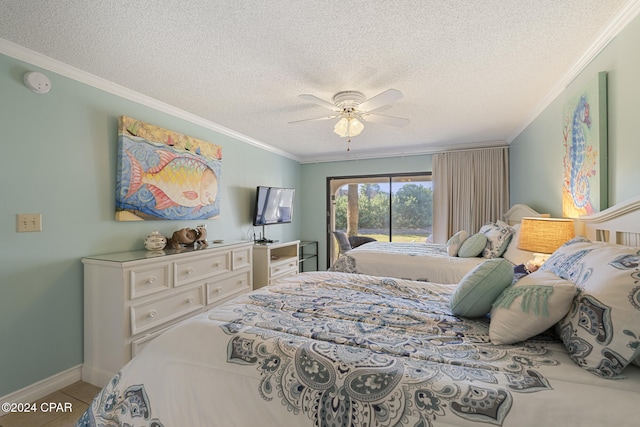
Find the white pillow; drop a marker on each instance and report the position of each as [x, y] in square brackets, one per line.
[498, 237]
[513, 254]
[602, 330]
[454, 243]
[531, 306]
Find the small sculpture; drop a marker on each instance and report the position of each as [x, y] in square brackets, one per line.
[184, 236]
[155, 241]
[201, 238]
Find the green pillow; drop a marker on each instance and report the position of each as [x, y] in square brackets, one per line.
[480, 287]
[473, 246]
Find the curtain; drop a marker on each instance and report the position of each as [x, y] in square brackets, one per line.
[470, 188]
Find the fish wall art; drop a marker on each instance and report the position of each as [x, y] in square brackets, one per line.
[165, 175]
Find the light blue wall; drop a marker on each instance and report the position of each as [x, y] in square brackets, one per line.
[536, 154]
[314, 184]
[59, 159]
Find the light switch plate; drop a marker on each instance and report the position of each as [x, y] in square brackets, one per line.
[28, 222]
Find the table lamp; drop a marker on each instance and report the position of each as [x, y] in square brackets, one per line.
[543, 236]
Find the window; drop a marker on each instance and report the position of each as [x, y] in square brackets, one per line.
[388, 208]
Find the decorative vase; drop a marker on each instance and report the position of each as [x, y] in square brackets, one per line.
[155, 241]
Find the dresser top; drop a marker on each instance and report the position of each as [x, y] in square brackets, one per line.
[138, 255]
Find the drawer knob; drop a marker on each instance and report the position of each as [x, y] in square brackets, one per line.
[151, 280]
[218, 290]
[189, 271]
[216, 264]
[241, 282]
[190, 300]
[152, 314]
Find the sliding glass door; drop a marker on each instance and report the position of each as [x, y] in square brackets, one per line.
[387, 208]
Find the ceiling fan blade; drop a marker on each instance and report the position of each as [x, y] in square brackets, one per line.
[386, 120]
[316, 119]
[380, 100]
[316, 100]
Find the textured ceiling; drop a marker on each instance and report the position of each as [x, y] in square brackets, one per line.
[472, 72]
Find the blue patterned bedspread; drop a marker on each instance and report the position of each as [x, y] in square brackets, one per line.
[336, 349]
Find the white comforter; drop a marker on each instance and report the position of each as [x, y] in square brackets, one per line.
[427, 262]
[336, 349]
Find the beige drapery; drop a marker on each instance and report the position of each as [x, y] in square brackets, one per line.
[470, 188]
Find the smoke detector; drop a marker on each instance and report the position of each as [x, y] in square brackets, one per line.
[37, 82]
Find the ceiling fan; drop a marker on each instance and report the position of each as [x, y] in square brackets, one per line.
[352, 108]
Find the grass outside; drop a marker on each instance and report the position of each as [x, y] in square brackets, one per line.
[405, 238]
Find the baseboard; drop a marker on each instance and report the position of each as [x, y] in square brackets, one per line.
[44, 387]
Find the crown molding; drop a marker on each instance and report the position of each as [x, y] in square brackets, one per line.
[39, 60]
[629, 12]
[385, 154]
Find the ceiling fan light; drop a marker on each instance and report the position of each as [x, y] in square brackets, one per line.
[355, 127]
[348, 126]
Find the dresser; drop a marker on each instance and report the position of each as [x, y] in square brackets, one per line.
[273, 261]
[132, 297]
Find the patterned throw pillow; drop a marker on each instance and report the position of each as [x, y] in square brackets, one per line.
[532, 305]
[512, 253]
[454, 243]
[498, 238]
[602, 329]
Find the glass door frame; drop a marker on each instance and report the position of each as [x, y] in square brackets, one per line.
[361, 180]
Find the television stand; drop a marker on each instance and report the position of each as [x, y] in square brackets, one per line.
[274, 261]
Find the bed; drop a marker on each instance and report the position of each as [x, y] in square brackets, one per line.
[332, 348]
[427, 262]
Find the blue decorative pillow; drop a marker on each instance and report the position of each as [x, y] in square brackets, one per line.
[455, 242]
[473, 246]
[479, 288]
[519, 271]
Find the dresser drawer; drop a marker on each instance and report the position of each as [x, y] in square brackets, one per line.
[155, 313]
[147, 281]
[221, 289]
[241, 258]
[188, 271]
[140, 343]
[283, 269]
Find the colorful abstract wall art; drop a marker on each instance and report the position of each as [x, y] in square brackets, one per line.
[584, 188]
[165, 175]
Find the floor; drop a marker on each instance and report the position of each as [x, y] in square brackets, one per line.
[59, 409]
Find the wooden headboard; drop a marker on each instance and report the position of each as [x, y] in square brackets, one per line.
[618, 224]
[514, 215]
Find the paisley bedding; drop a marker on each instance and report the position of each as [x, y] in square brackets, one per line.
[337, 349]
[427, 262]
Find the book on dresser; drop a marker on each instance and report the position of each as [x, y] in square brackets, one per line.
[132, 297]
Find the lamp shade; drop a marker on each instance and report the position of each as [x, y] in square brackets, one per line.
[545, 235]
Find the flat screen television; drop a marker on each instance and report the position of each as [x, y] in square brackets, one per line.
[273, 205]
